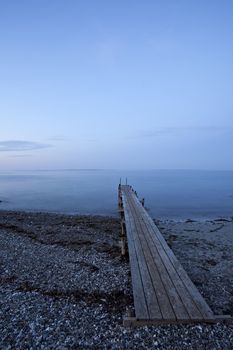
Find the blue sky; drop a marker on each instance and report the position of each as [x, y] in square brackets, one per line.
[136, 84]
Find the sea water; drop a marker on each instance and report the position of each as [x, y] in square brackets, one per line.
[172, 194]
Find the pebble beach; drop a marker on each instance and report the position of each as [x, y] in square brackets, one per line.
[64, 284]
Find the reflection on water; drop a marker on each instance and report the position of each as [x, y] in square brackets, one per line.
[168, 193]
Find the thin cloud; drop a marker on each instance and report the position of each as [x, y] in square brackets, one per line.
[20, 155]
[177, 130]
[19, 146]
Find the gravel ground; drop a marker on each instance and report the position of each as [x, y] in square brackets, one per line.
[64, 285]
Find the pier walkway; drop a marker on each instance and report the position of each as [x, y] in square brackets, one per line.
[163, 292]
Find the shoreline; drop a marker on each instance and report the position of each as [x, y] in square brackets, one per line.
[116, 215]
[64, 283]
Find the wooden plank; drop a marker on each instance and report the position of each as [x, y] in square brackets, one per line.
[138, 291]
[159, 288]
[194, 293]
[169, 285]
[173, 279]
[150, 296]
[163, 292]
[134, 322]
[173, 264]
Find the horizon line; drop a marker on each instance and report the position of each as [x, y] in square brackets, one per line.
[117, 169]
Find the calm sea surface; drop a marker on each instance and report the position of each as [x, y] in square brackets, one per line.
[170, 194]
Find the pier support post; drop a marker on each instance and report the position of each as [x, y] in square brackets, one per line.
[119, 198]
[123, 239]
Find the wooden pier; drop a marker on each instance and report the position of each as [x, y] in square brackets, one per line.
[163, 292]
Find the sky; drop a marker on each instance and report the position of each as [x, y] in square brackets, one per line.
[116, 84]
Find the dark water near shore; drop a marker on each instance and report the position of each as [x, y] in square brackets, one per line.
[168, 193]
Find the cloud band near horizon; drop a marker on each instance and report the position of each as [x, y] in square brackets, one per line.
[20, 145]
